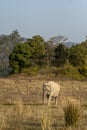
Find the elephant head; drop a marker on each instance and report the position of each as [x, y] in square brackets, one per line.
[46, 91]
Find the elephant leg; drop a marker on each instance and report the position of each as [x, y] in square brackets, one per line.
[55, 100]
[49, 99]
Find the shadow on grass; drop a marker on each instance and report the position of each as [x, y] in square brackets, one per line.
[30, 104]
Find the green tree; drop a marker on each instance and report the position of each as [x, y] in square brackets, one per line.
[19, 57]
[84, 45]
[60, 55]
[78, 55]
[38, 50]
[30, 53]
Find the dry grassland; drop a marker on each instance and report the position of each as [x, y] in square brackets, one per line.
[21, 106]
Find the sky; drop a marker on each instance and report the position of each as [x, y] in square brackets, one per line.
[47, 18]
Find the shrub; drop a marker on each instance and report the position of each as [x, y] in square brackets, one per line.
[31, 71]
[71, 115]
[69, 71]
[83, 71]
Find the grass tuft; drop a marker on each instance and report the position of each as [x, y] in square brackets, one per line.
[72, 114]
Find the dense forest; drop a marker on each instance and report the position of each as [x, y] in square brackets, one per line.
[34, 56]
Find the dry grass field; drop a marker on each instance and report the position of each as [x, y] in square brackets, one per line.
[21, 106]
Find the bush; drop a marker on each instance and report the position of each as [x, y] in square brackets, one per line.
[31, 71]
[69, 71]
[83, 71]
[71, 115]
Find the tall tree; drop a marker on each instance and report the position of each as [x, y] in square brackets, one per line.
[78, 55]
[49, 52]
[38, 50]
[7, 43]
[60, 55]
[30, 53]
[15, 37]
[19, 57]
[58, 39]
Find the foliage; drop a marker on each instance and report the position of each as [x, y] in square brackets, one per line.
[18, 53]
[7, 43]
[83, 71]
[19, 57]
[78, 55]
[33, 70]
[37, 50]
[30, 53]
[68, 71]
[84, 44]
[61, 55]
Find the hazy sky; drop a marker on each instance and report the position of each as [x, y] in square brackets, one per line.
[47, 18]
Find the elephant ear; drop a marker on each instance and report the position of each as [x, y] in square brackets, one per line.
[51, 86]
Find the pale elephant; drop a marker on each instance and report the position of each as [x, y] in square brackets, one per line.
[50, 89]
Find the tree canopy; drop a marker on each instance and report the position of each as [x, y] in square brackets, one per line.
[21, 54]
[27, 54]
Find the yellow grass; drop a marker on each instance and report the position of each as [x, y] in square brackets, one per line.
[21, 106]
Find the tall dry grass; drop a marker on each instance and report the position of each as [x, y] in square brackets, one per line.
[72, 114]
[15, 116]
[46, 119]
[26, 111]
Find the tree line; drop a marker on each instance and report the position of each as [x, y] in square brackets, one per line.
[36, 54]
[7, 43]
